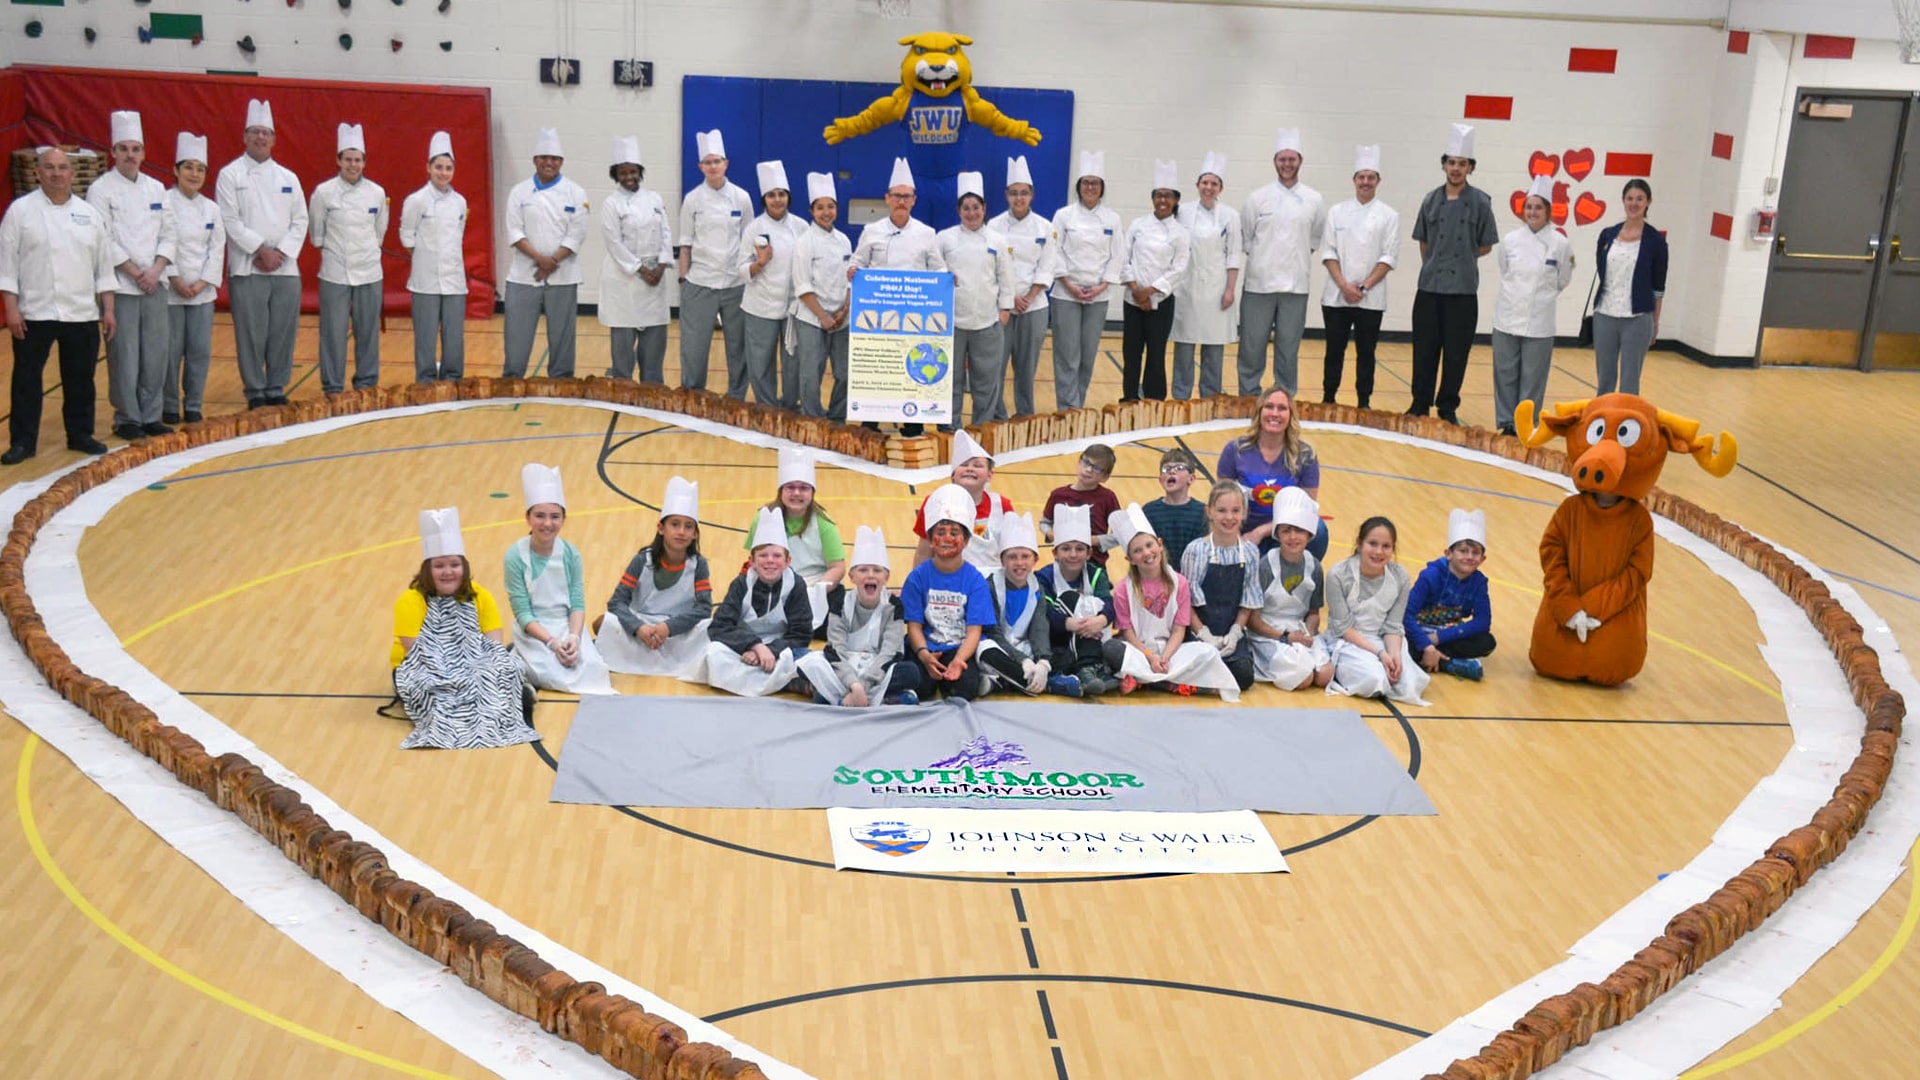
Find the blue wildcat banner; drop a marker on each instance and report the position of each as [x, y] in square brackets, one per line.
[900, 347]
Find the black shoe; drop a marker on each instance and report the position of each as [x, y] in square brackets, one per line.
[256, 403]
[912, 431]
[16, 454]
[1363, 404]
[169, 418]
[1415, 412]
[156, 429]
[277, 399]
[527, 699]
[86, 445]
[194, 417]
[1507, 429]
[129, 432]
[1451, 419]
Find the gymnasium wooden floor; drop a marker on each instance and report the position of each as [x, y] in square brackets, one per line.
[261, 586]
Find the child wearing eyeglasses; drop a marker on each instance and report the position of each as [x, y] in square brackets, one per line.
[1089, 489]
[1177, 516]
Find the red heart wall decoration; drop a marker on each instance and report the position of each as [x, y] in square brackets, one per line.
[1544, 164]
[1578, 163]
[1519, 203]
[1559, 204]
[1588, 209]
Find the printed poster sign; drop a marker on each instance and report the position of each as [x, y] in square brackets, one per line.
[1051, 841]
[900, 347]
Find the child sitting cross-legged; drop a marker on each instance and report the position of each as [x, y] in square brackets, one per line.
[1153, 611]
[764, 624]
[1449, 616]
[1079, 603]
[1287, 648]
[1017, 651]
[1222, 569]
[946, 601]
[865, 662]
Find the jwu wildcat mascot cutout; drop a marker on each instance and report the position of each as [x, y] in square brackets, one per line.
[1597, 553]
[933, 71]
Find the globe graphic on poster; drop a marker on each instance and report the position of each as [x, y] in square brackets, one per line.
[927, 363]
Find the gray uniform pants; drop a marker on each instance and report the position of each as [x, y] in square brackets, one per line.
[1076, 348]
[137, 357]
[761, 359]
[1212, 359]
[1520, 367]
[1282, 316]
[525, 304]
[979, 366]
[817, 349]
[644, 348]
[439, 319]
[266, 318]
[1026, 333]
[1619, 351]
[189, 354]
[339, 305]
[698, 307]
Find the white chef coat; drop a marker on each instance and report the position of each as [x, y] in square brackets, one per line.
[1087, 248]
[1214, 248]
[200, 246]
[820, 261]
[56, 259]
[433, 225]
[769, 293]
[633, 226]
[551, 218]
[711, 224]
[1534, 268]
[1157, 253]
[138, 225]
[347, 222]
[1281, 227]
[983, 275]
[261, 204]
[886, 246]
[1030, 239]
[1360, 237]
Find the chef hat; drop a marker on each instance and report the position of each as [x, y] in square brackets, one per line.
[1216, 164]
[259, 114]
[1287, 139]
[1093, 163]
[773, 177]
[682, 499]
[709, 144]
[1543, 187]
[441, 143]
[869, 548]
[902, 174]
[970, 183]
[1017, 171]
[820, 186]
[126, 128]
[190, 147]
[1366, 159]
[769, 527]
[1166, 175]
[1293, 506]
[796, 467]
[1467, 525]
[541, 484]
[1125, 527]
[1071, 523]
[547, 144]
[626, 151]
[966, 449]
[949, 502]
[440, 533]
[1460, 141]
[349, 137]
[1018, 532]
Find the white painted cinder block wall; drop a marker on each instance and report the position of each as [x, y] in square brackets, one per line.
[1151, 80]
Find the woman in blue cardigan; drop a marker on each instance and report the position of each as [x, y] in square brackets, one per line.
[1632, 261]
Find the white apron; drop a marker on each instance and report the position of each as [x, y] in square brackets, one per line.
[1358, 672]
[807, 557]
[625, 299]
[1016, 631]
[1197, 318]
[1287, 665]
[862, 644]
[549, 596]
[679, 652]
[1194, 663]
[983, 547]
[725, 670]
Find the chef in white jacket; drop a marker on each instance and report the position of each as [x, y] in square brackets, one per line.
[1157, 253]
[633, 294]
[712, 217]
[1203, 312]
[1281, 226]
[265, 214]
[199, 264]
[1362, 246]
[433, 229]
[1087, 260]
[984, 283]
[134, 206]
[347, 221]
[546, 227]
[898, 241]
[1536, 263]
[821, 259]
[1030, 238]
[766, 254]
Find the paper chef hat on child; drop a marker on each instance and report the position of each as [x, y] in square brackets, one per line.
[796, 467]
[441, 143]
[769, 527]
[1543, 187]
[1018, 532]
[547, 143]
[349, 137]
[126, 128]
[965, 448]
[1293, 506]
[949, 502]
[869, 548]
[902, 174]
[1093, 163]
[1287, 139]
[540, 484]
[820, 186]
[1072, 523]
[626, 151]
[1366, 158]
[190, 147]
[1460, 141]
[1017, 171]
[773, 177]
[1166, 175]
[970, 183]
[709, 144]
[260, 114]
[682, 498]
[1125, 527]
[1216, 164]
[1466, 525]
[440, 533]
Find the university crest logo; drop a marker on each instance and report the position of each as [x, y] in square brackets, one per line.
[893, 838]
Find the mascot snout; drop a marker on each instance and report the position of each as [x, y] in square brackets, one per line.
[1601, 467]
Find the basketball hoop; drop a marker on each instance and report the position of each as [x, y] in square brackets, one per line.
[1908, 12]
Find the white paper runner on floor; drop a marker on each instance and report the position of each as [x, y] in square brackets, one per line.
[1051, 841]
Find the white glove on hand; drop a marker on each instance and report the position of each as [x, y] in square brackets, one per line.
[1201, 632]
[1037, 672]
[1581, 623]
[1232, 640]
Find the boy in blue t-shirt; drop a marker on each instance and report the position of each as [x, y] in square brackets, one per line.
[1449, 615]
[946, 601]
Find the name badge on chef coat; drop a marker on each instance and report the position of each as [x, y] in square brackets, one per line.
[373, 209]
[288, 190]
[1040, 240]
[733, 213]
[991, 251]
[208, 226]
[80, 217]
[569, 209]
[154, 206]
[1553, 262]
[1106, 232]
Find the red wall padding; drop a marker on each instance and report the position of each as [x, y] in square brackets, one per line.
[71, 105]
[13, 123]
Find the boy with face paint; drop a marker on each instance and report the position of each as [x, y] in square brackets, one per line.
[865, 662]
[1017, 652]
[946, 601]
[1079, 602]
[200, 259]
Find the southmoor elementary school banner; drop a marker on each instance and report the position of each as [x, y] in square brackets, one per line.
[1051, 842]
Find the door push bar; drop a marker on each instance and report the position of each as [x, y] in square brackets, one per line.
[1780, 246]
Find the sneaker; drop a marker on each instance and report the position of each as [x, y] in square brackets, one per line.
[1064, 685]
[1184, 689]
[1128, 684]
[527, 699]
[1465, 669]
[904, 697]
[1095, 681]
